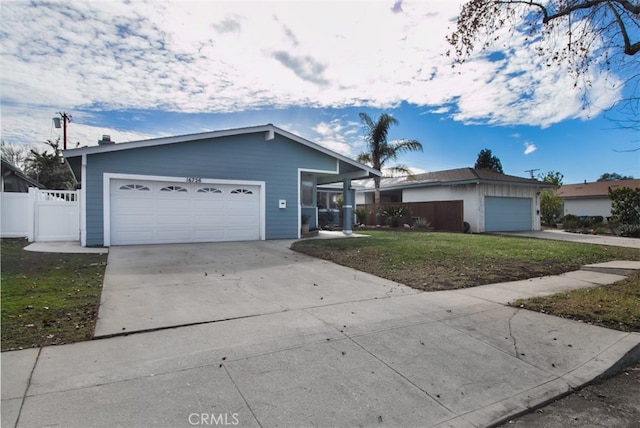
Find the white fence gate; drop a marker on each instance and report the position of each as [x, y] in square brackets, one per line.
[45, 215]
[56, 216]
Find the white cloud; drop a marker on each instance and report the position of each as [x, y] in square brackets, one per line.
[197, 57]
[338, 136]
[529, 148]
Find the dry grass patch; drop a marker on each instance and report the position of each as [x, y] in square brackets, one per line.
[615, 306]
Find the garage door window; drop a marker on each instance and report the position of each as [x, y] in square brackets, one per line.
[209, 190]
[134, 187]
[242, 191]
[173, 189]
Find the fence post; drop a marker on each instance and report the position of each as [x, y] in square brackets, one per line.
[31, 213]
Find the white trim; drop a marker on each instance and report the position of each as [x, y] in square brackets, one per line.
[83, 202]
[299, 204]
[106, 209]
[163, 141]
[106, 196]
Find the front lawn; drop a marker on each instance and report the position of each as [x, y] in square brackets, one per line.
[446, 261]
[48, 299]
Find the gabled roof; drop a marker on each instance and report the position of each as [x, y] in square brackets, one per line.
[453, 177]
[268, 129]
[8, 166]
[596, 189]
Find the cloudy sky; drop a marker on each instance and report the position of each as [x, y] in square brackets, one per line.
[143, 69]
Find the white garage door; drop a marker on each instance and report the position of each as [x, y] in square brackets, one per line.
[507, 214]
[154, 212]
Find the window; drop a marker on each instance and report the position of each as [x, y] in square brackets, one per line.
[209, 190]
[173, 189]
[306, 190]
[134, 187]
[242, 191]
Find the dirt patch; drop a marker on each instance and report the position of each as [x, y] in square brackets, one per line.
[435, 275]
[612, 403]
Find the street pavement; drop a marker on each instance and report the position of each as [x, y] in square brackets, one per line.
[315, 344]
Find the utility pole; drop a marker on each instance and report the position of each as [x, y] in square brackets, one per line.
[531, 171]
[66, 118]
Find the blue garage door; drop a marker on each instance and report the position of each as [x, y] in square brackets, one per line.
[507, 214]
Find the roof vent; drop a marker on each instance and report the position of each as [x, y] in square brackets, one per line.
[106, 139]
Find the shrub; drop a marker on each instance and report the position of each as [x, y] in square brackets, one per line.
[625, 210]
[631, 230]
[570, 221]
[421, 222]
[394, 214]
[597, 219]
[550, 207]
[361, 215]
[625, 205]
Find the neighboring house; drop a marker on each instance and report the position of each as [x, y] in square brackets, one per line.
[241, 184]
[15, 201]
[492, 201]
[14, 180]
[592, 199]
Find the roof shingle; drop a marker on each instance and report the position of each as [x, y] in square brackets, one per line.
[598, 188]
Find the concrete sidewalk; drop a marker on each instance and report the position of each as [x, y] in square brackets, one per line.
[561, 235]
[443, 359]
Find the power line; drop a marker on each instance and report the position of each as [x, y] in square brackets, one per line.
[531, 171]
[66, 118]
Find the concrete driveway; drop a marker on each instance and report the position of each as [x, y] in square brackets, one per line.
[154, 286]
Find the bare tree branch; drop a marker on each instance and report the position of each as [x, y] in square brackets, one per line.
[588, 37]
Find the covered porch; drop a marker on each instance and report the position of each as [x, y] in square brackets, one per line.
[328, 199]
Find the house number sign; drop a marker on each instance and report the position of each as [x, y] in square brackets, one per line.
[194, 180]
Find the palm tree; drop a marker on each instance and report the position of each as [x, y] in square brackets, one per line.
[379, 150]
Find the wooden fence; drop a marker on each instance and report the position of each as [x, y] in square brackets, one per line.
[445, 216]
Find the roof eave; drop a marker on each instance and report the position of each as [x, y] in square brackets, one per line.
[269, 130]
[459, 183]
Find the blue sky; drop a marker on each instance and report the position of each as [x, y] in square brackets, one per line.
[137, 70]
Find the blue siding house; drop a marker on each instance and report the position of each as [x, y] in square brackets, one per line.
[249, 183]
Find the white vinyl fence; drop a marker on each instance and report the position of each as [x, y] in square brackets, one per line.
[14, 211]
[41, 215]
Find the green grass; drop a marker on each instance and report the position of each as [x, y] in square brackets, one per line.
[48, 299]
[614, 306]
[438, 261]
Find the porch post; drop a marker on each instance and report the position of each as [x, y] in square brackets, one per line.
[347, 207]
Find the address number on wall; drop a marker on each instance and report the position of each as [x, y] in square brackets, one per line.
[194, 180]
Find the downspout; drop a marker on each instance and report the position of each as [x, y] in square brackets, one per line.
[83, 201]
